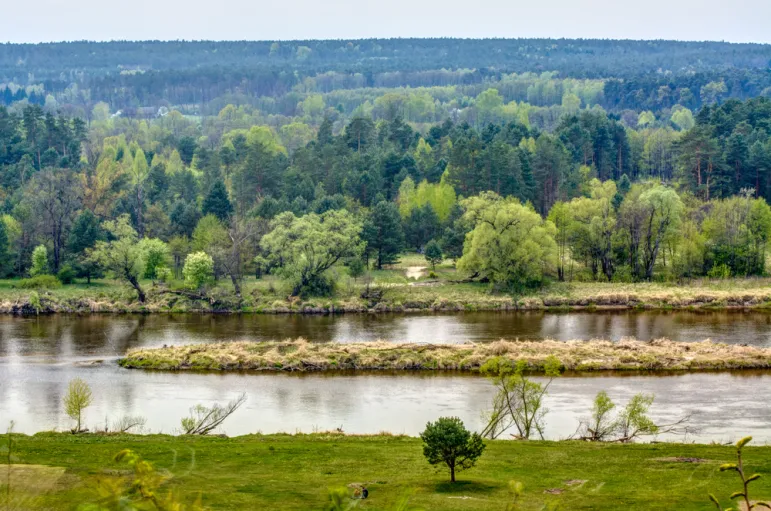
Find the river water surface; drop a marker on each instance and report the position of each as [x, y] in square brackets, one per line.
[38, 356]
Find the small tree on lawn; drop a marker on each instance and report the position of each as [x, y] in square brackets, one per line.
[434, 254]
[448, 441]
[78, 398]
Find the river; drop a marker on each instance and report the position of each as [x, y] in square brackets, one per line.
[38, 356]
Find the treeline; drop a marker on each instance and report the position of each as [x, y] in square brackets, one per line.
[575, 57]
[200, 77]
[593, 199]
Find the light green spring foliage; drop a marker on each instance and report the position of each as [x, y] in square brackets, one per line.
[441, 196]
[519, 400]
[739, 229]
[510, 243]
[39, 261]
[651, 213]
[209, 234]
[77, 399]
[142, 491]
[683, 118]
[156, 256]
[123, 255]
[742, 495]
[198, 269]
[590, 222]
[303, 248]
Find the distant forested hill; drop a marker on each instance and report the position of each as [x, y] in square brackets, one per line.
[590, 58]
[636, 75]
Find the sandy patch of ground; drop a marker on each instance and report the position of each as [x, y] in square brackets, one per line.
[415, 272]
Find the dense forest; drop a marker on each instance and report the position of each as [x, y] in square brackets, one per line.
[275, 76]
[520, 178]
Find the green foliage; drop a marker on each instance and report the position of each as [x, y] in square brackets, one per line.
[198, 270]
[77, 399]
[448, 442]
[383, 233]
[66, 274]
[519, 399]
[39, 261]
[155, 254]
[34, 301]
[123, 255]
[631, 423]
[742, 495]
[4, 249]
[38, 282]
[303, 249]
[217, 202]
[421, 226]
[510, 244]
[433, 253]
[738, 230]
[142, 491]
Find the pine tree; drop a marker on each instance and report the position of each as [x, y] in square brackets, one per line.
[217, 202]
[383, 233]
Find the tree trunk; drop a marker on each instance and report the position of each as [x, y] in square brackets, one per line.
[135, 284]
[452, 473]
[236, 285]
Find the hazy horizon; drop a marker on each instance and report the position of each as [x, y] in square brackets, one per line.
[743, 21]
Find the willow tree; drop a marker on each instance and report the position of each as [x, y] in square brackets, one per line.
[510, 244]
[304, 248]
[649, 214]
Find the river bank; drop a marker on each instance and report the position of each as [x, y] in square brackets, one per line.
[294, 472]
[391, 292]
[595, 355]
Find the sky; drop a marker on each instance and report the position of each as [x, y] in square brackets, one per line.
[103, 20]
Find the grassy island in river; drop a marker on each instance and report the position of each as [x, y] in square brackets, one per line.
[595, 355]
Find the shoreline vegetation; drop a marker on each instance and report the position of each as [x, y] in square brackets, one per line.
[393, 291]
[302, 356]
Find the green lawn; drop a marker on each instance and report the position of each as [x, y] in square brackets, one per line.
[294, 472]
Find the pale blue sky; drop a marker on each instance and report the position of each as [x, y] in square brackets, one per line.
[57, 20]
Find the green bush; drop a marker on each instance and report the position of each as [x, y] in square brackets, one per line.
[66, 274]
[39, 282]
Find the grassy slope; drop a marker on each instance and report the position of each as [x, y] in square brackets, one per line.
[399, 293]
[294, 472]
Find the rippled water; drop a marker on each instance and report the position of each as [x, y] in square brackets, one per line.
[38, 356]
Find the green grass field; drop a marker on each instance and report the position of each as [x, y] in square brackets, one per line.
[295, 472]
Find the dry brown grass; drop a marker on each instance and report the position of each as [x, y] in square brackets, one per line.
[594, 355]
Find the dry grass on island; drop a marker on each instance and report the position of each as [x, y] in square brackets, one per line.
[594, 355]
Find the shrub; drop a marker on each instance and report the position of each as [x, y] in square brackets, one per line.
[198, 269]
[448, 441]
[38, 282]
[163, 274]
[39, 261]
[66, 274]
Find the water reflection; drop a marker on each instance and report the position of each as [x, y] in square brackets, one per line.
[31, 395]
[63, 337]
